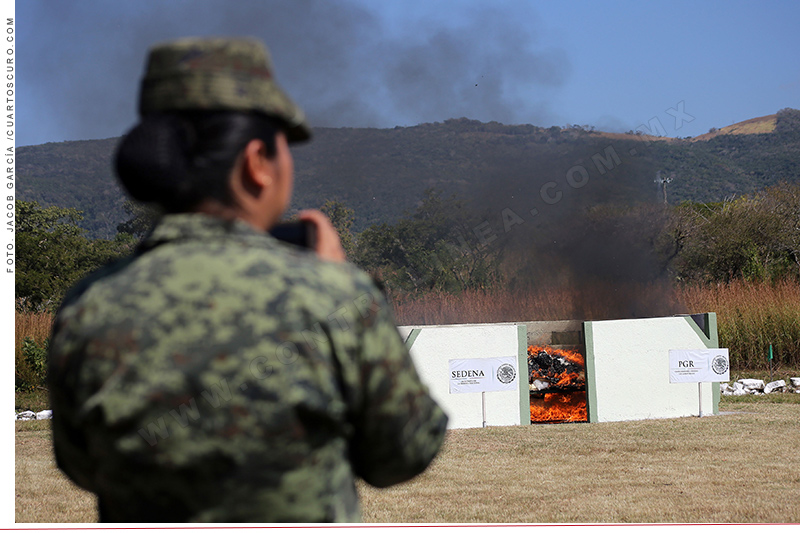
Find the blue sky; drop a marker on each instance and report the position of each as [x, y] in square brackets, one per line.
[685, 66]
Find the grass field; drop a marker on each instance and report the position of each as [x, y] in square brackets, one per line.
[43, 493]
[739, 467]
[742, 467]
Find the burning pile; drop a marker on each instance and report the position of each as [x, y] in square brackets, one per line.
[551, 368]
[558, 385]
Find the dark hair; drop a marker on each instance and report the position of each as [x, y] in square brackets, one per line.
[178, 159]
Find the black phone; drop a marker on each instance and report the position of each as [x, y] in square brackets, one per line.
[299, 233]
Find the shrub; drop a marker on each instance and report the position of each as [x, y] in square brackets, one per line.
[34, 371]
[32, 331]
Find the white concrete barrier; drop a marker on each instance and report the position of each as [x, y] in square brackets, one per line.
[627, 368]
[434, 347]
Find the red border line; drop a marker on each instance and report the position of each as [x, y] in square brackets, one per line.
[363, 526]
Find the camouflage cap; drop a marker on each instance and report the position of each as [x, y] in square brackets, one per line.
[218, 74]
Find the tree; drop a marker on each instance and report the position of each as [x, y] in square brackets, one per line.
[53, 253]
[31, 217]
[433, 248]
[783, 201]
[751, 237]
[342, 218]
[142, 218]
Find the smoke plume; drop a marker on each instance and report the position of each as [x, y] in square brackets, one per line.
[338, 60]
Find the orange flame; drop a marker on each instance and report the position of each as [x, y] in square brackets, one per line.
[569, 355]
[568, 407]
[565, 378]
[559, 407]
[568, 378]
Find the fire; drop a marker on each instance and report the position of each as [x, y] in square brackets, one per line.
[558, 385]
[569, 355]
[559, 408]
[560, 374]
[569, 379]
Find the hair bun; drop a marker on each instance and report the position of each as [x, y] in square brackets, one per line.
[179, 159]
[151, 160]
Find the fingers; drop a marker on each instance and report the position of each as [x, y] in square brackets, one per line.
[326, 244]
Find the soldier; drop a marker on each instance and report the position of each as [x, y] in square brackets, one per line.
[218, 374]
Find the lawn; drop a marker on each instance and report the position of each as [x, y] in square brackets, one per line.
[43, 493]
[736, 467]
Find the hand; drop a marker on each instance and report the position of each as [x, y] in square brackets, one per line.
[326, 243]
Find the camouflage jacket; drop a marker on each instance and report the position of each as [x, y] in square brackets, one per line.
[220, 375]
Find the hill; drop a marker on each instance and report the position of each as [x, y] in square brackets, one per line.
[73, 174]
[383, 173]
[748, 127]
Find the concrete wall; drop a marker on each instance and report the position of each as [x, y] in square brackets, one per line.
[541, 333]
[627, 368]
[432, 347]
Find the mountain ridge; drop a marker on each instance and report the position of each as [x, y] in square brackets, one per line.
[382, 173]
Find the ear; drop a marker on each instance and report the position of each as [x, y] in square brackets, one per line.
[259, 170]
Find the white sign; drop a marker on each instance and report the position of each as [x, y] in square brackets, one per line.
[699, 366]
[483, 375]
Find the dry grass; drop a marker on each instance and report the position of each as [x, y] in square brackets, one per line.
[750, 316]
[43, 493]
[740, 468]
[757, 125]
[35, 400]
[597, 301]
[34, 325]
[732, 468]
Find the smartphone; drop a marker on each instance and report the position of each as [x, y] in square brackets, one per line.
[299, 233]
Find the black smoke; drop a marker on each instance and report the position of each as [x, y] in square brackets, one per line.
[81, 61]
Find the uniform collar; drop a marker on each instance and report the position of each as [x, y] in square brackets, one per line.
[198, 226]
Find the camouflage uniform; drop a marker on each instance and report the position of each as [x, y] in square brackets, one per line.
[220, 375]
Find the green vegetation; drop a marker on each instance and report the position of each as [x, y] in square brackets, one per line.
[31, 333]
[342, 218]
[754, 237]
[34, 354]
[76, 174]
[140, 219]
[431, 249]
[740, 259]
[458, 222]
[53, 253]
[382, 173]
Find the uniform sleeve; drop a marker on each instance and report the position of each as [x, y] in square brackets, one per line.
[69, 443]
[64, 360]
[399, 428]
